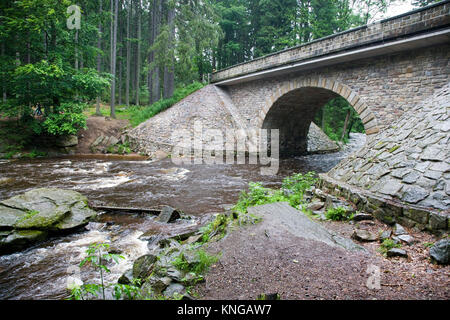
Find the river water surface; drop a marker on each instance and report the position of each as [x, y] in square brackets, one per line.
[42, 272]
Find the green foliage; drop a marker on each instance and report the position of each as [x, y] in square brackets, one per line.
[199, 266]
[97, 256]
[338, 214]
[68, 119]
[387, 245]
[139, 115]
[332, 119]
[292, 191]
[217, 227]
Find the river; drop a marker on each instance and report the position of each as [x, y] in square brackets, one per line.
[42, 272]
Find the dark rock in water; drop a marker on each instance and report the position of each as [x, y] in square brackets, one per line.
[39, 212]
[168, 214]
[362, 217]
[440, 251]
[19, 239]
[143, 266]
[396, 252]
[126, 278]
[364, 236]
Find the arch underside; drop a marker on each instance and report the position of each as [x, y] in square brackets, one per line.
[293, 105]
[292, 115]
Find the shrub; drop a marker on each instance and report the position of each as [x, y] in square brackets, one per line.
[338, 214]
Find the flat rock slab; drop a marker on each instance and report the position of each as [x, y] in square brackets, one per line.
[281, 217]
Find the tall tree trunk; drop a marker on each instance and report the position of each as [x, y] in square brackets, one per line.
[76, 49]
[345, 125]
[150, 56]
[113, 56]
[127, 80]
[99, 56]
[156, 88]
[3, 80]
[138, 53]
[169, 77]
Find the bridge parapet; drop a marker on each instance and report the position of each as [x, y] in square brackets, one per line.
[431, 18]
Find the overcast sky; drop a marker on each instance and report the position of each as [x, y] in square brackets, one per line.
[398, 8]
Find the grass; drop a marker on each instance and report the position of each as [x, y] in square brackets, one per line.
[200, 266]
[292, 191]
[338, 214]
[138, 114]
[387, 245]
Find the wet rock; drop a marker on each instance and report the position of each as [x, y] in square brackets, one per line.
[126, 278]
[143, 266]
[385, 235]
[168, 214]
[364, 235]
[42, 211]
[399, 230]
[113, 141]
[98, 141]
[66, 141]
[314, 206]
[156, 284]
[362, 217]
[406, 238]
[396, 252]
[440, 251]
[17, 240]
[174, 288]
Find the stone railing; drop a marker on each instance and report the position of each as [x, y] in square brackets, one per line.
[430, 18]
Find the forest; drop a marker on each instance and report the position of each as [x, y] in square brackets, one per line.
[59, 56]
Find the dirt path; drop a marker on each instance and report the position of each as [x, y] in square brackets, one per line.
[268, 258]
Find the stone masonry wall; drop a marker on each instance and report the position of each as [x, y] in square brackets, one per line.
[407, 165]
[380, 89]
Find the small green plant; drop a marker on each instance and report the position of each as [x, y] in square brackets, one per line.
[97, 255]
[200, 264]
[338, 214]
[428, 244]
[387, 245]
[217, 227]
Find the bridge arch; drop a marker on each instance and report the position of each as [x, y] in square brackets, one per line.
[293, 104]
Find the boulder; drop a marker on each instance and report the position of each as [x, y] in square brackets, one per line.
[362, 217]
[399, 230]
[168, 214]
[143, 266]
[440, 251]
[174, 288]
[364, 235]
[66, 141]
[406, 238]
[31, 216]
[396, 252]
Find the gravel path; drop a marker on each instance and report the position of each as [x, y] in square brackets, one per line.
[267, 258]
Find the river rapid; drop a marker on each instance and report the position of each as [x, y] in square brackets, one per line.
[43, 271]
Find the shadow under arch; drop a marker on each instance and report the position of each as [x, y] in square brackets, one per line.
[292, 106]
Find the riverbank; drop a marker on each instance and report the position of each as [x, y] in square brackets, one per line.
[268, 258]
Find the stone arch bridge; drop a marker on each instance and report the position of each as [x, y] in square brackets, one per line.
[384, 70]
